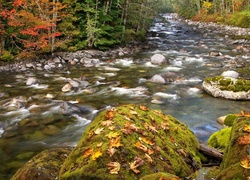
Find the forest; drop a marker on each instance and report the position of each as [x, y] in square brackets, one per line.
[32, 27]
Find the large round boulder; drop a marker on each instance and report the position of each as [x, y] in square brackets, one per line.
[130, 142]
[227, 87]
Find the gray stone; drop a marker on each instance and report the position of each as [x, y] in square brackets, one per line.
[231, 74]
[158, 59]
[158, 79]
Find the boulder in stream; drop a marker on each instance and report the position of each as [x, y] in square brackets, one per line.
[158, 59]
[131, 141]
[227, 87]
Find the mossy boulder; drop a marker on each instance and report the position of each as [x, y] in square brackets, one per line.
[163, 176]
[45, 165]
[132, 141]
[230, 119]
[227, 87]
[220, 139]
[236, 160]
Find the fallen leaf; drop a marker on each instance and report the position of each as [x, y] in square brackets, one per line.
[243, 140]
[99, 130]
[140, 146]
[246, 128]
[144, 108]
[135, 164]
[147, 141]
[107, 123]
[245, 162]
[110, 114]
[134, 112]
[111, 151]
[148, 158]
[150, 128]
[87, 152]
[99, 144]
[114, 167]
[96, 154]
[150, 151]
[126, 118]
[134, 127]
[127, 131]
[112, 134]
[111, 128]
[176, 129]
[115, 142]
[165, 126]
[91, 133]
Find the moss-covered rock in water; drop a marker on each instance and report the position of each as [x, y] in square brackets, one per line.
[229, 120]
[163, 176]
[129, 142]
[220, 139]
[236, 161]
[228, 88]
[45, 165]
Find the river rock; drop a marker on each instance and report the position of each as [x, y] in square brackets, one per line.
[158, 59]
[45, 165]
[158, 79]
[130, 142]
[231, 74]
[228, 88]
[69, 108]
[67, 87]
[31, 81]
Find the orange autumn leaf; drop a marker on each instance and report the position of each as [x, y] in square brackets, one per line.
[111, 135]
[147, 141]
[107, 123]
[96, 154]
[115, 142]
[135, 164]
[246, 128]
[140, 146]
[110, 114]
[150, 128]
[99, 130]
[244, 114]
[243, 140]
[87, 152]
[114, 167]
[165, 126]
[144, 108]
[111, 151]
[150, 151]
[245, 162]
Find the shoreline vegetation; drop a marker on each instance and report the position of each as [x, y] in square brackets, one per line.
[30, 30]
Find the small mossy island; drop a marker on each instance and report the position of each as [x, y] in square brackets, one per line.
[227, 87]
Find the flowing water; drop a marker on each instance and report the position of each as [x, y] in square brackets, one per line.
[32, 117]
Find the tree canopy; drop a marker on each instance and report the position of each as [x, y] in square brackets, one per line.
[30, 27]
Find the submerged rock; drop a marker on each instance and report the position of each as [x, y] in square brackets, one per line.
[131, 141]
[228, 88]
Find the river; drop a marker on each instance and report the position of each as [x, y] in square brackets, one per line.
[32, 119]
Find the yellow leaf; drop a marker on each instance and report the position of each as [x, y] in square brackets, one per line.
[140, 146]
[245, 162]
[147, 141]
[107, 123]
[246, 128]
[98, 130]
[112, 135]
[114, 167]
[96, 154]
[115, 142]
[87, 152]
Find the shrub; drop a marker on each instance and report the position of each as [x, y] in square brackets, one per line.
[7, 56]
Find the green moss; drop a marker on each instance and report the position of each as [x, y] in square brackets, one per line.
[229, 84]
[163, 143]
[229, 120]
[161, 175]
[220, 139]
